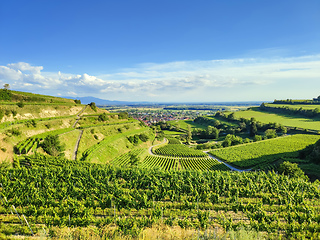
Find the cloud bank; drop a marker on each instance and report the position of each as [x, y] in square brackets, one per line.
[197, 81]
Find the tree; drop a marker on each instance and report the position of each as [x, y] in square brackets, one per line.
[291, 169]
[6, 86]
[123, 115]
[270, 133]
[103, 117]
[231, 116]
[253, 128]
[51, 145]
[93, 106]
[189, 135]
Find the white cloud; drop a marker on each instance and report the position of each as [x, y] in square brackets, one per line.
[245, 78]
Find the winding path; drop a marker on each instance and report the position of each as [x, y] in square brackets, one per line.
[150, 148]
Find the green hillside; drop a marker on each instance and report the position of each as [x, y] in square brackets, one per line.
[73, 171]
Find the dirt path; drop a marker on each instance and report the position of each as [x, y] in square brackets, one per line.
[78, 116]
[150, 148]
[75, 151]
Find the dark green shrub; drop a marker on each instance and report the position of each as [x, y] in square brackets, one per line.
[51, 145]
[103, 117]
[291, 169]
[123, 115]
[20, 104]
[5, 95]
[14, 112]
[93, 106]
[7, 112]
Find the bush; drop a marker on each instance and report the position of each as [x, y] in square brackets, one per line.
[51, 145]
[103, 117]
[93, 106]
[270, 133]
[7, 112]
[257, 138]
[123, 115]
[32, 123]
[5, 95]
[14, 112]
[14, 132]
[20, 104]
[77, 101]
[291, 169]
[1, 113]
[143, 137]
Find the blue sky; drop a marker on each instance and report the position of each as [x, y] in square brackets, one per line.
[161, 51]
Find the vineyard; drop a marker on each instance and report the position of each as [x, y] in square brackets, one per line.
[176, 150]
[127, 158]
[264, 152]
[57, 192]
[119, 182]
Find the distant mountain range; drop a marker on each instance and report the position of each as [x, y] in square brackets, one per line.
[103, 102]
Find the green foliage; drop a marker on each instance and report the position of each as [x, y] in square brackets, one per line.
[51, 145]
[20, 104]
[257, 138]
[1, 113]
[123, 115]
[77, 101]
[93, 106]
[4, 165]
[103, 117]
[30, 123]
[179, 150]
[13, 132]
[270, 133]
[291, 169]
[272, 150]
[315, 154]
[14, 112]
[5, 95]
[143, 137]
[232, 140]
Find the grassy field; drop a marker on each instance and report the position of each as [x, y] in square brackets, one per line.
[183, 124]
[69, 139]
[266, 151]
[118, 144]
[286, 120]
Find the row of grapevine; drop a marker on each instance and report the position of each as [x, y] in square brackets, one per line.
[79, 194]
[178, 150]
[266, 151]
[126, 159]
[164, 163]
[33, 142]
[206, 163]
[24, 146]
